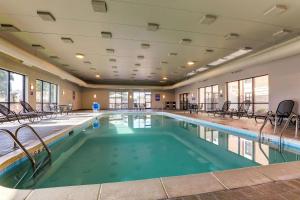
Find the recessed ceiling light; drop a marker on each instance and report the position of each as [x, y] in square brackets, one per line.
[135, 70]
[99, 6]
[87, 62]
[133, 74]
[152, 73]
[277, 9]
[107, 35]
[173, 54]
[79, 55]
[140, 57]
[282, 32]
[164, 62]
[162, 81]
[190, 63]
[9, 28]
[185, 41]
[97, 75]
[67, 40]
[114, 67]
[53, 57]
[110, 51]
[93, 68]
[231, 36]
[137, 64]
[115, 71]
[209, 50]
[165, 78]
[208, 19]
[152, 27]
[145, 46]
[37, 46]
[46, 16]
[112, 60]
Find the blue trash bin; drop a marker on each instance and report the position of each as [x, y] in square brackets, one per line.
[96, 107]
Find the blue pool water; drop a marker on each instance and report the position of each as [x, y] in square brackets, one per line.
[140, 146]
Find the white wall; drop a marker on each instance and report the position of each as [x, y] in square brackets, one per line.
[284, 81]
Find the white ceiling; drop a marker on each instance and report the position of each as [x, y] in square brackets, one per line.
[127, 20]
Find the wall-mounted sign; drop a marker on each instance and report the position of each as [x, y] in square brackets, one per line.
[157, 97]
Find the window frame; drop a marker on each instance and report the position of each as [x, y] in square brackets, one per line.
[253, 103]
[8, 103]
[42, 94]
[115, 103]
[146, 93]
[213, 105]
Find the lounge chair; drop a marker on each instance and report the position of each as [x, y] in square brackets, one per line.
[283, 111]
[223, 111]
[193, 108]
[34, 113]
[10, 116]
[243, 110]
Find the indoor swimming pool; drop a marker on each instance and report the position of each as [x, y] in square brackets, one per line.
[122, 147]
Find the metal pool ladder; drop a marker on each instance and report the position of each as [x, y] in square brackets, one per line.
[269, 117]
[36, 166]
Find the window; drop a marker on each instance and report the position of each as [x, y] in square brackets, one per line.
[12, 89]
[118, 100]
[209, 97]
[254, 89]
[46, 94]
[142, 99]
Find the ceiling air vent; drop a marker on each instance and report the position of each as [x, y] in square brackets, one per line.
[231, 36]
[173, 54]
[67, 40]
[186, 41]
[46, 16]
[9, 28]
[107, 35]
[38, 47]
[145, 46]
[140, 57]
[110, 51]
[54, 57]
[208, 19]
[99, 6]
[152, 27]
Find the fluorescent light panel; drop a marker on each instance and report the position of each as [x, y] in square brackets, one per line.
[282, 32]
[231, 56]
[277, 9]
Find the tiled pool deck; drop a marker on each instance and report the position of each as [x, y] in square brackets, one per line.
[278, 181]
